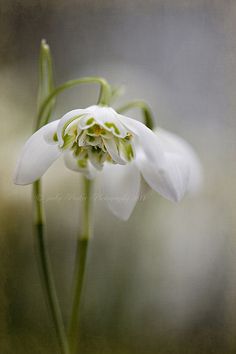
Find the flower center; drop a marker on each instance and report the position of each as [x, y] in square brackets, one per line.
[96, 143]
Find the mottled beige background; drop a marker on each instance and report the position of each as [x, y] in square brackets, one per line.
[165, 281]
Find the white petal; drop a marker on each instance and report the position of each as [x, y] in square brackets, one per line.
[146, 139]
[66, 118]
[173, 143]
[71, 163]
[104, 115]
[144, 189]
[166, 170]
[127, 150]
[171, 180]
[113, 151]
[82, 141]
[94, 141]
[86, 122]
[95, 158]
[121, 186]
[36, 157]
[50, 133]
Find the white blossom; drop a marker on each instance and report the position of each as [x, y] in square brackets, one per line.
[125, 150]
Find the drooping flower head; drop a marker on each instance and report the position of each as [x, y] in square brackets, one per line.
[99, 139]
[91, 137]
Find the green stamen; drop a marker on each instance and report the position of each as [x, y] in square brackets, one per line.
[128, 136]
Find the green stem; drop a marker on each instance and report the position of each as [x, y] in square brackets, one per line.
[80, 262]
[104, 96]
[46, 272]
[146, 111]
[46, 84]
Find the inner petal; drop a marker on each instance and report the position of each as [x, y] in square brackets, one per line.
[113, 151]
[97, 142]
[86, 122]
[65, 122]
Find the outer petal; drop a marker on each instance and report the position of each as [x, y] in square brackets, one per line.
[165, 173]
[121, 186]
[167, 170]
[173, 143]
[71, 163]
[146, 139]
[50, 132]
[171, 180]
[37, 156]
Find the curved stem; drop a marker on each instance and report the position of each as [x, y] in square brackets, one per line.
[146, 111]
[46, 272]
[45, 88]
[104, 96]
[80, 262]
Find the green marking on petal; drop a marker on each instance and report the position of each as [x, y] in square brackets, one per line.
[68, 140]
[55, 138]
[68, 123]
[127, 149]
[77, 149]
[112, 125]
[91, 138]
[130, 152]
[95, 130]
[90, 121]
[82, 163]
[90, 130]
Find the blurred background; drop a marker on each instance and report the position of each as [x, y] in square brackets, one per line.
[165, 281]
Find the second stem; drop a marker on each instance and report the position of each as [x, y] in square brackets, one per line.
[80, 262]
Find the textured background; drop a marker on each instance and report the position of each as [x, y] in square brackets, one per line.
[165, 281]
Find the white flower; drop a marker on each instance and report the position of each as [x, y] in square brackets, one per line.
[180, 172]
[97, 138]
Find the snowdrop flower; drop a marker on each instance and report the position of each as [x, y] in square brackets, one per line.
[125, 150]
